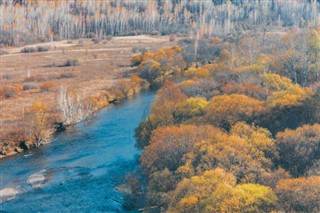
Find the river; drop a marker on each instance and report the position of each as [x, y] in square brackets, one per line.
[81, 168]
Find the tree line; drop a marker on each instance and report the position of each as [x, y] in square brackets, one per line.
[27, 21]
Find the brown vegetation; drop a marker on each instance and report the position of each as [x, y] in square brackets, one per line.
[95, 78]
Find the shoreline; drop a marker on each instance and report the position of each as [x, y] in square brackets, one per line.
[112, 99]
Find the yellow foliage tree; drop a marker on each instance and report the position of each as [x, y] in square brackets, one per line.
[276, 82]
[190, 108]
[246, 152]
[40, 127]
[284, 93]
[216, 191]
[197, 73]
[226, 110]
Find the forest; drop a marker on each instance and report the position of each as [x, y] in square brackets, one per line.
[236, 129]
[29, 21]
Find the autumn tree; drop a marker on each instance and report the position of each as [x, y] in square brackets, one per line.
[72, 108]
[197, 73]
[162, 112]
[169, 144]
[299, 194]
[156, 66]
[249, 89]
[190, 108]
[283, 91]
[40, 131]
[216, 191]
[288, 105]
[226, 110]
[247, 152]
[299, 148]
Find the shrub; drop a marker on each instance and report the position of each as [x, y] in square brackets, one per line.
[36, 77]
[42, 38]
[29, 86]
[10, 92]
[70, 63]
[28, 50]
[185, 41]
[96, 40]
[42, 49]
[66, 75]
[18, 87]
[135, 79]
[155, 33]
[47, 86]
[141, 50]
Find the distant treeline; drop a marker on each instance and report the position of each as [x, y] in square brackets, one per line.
[27, 21]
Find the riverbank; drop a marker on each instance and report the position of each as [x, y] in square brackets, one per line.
[99, 71]
[82, 168]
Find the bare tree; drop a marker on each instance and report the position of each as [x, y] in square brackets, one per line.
[73, 110]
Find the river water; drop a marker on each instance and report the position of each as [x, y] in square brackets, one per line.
[81, 169]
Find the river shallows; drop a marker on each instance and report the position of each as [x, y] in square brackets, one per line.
[80, 169]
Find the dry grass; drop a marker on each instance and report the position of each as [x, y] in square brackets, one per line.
[100, 66]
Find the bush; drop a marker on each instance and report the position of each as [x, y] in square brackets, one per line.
[109, 37]
[29, 86]
[47, 86]
[28, 50]
[9, 92]
[42, 49]
[155, 33]
[185, 41]
[96, 40]
[70, 63]
[42, 38]
[66, 75]
[141, 50]
[36, 77]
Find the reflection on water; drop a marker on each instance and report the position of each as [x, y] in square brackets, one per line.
[80, 169]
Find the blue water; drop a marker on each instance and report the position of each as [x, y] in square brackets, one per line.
[82, 166]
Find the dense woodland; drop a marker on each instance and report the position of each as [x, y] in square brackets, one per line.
[238, 129]
[27, 21]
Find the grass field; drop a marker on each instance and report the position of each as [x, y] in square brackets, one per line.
[84, 64]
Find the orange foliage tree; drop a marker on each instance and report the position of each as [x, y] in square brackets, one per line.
[40, 132]
[226, 110]
[299, 148]
[300, 194]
